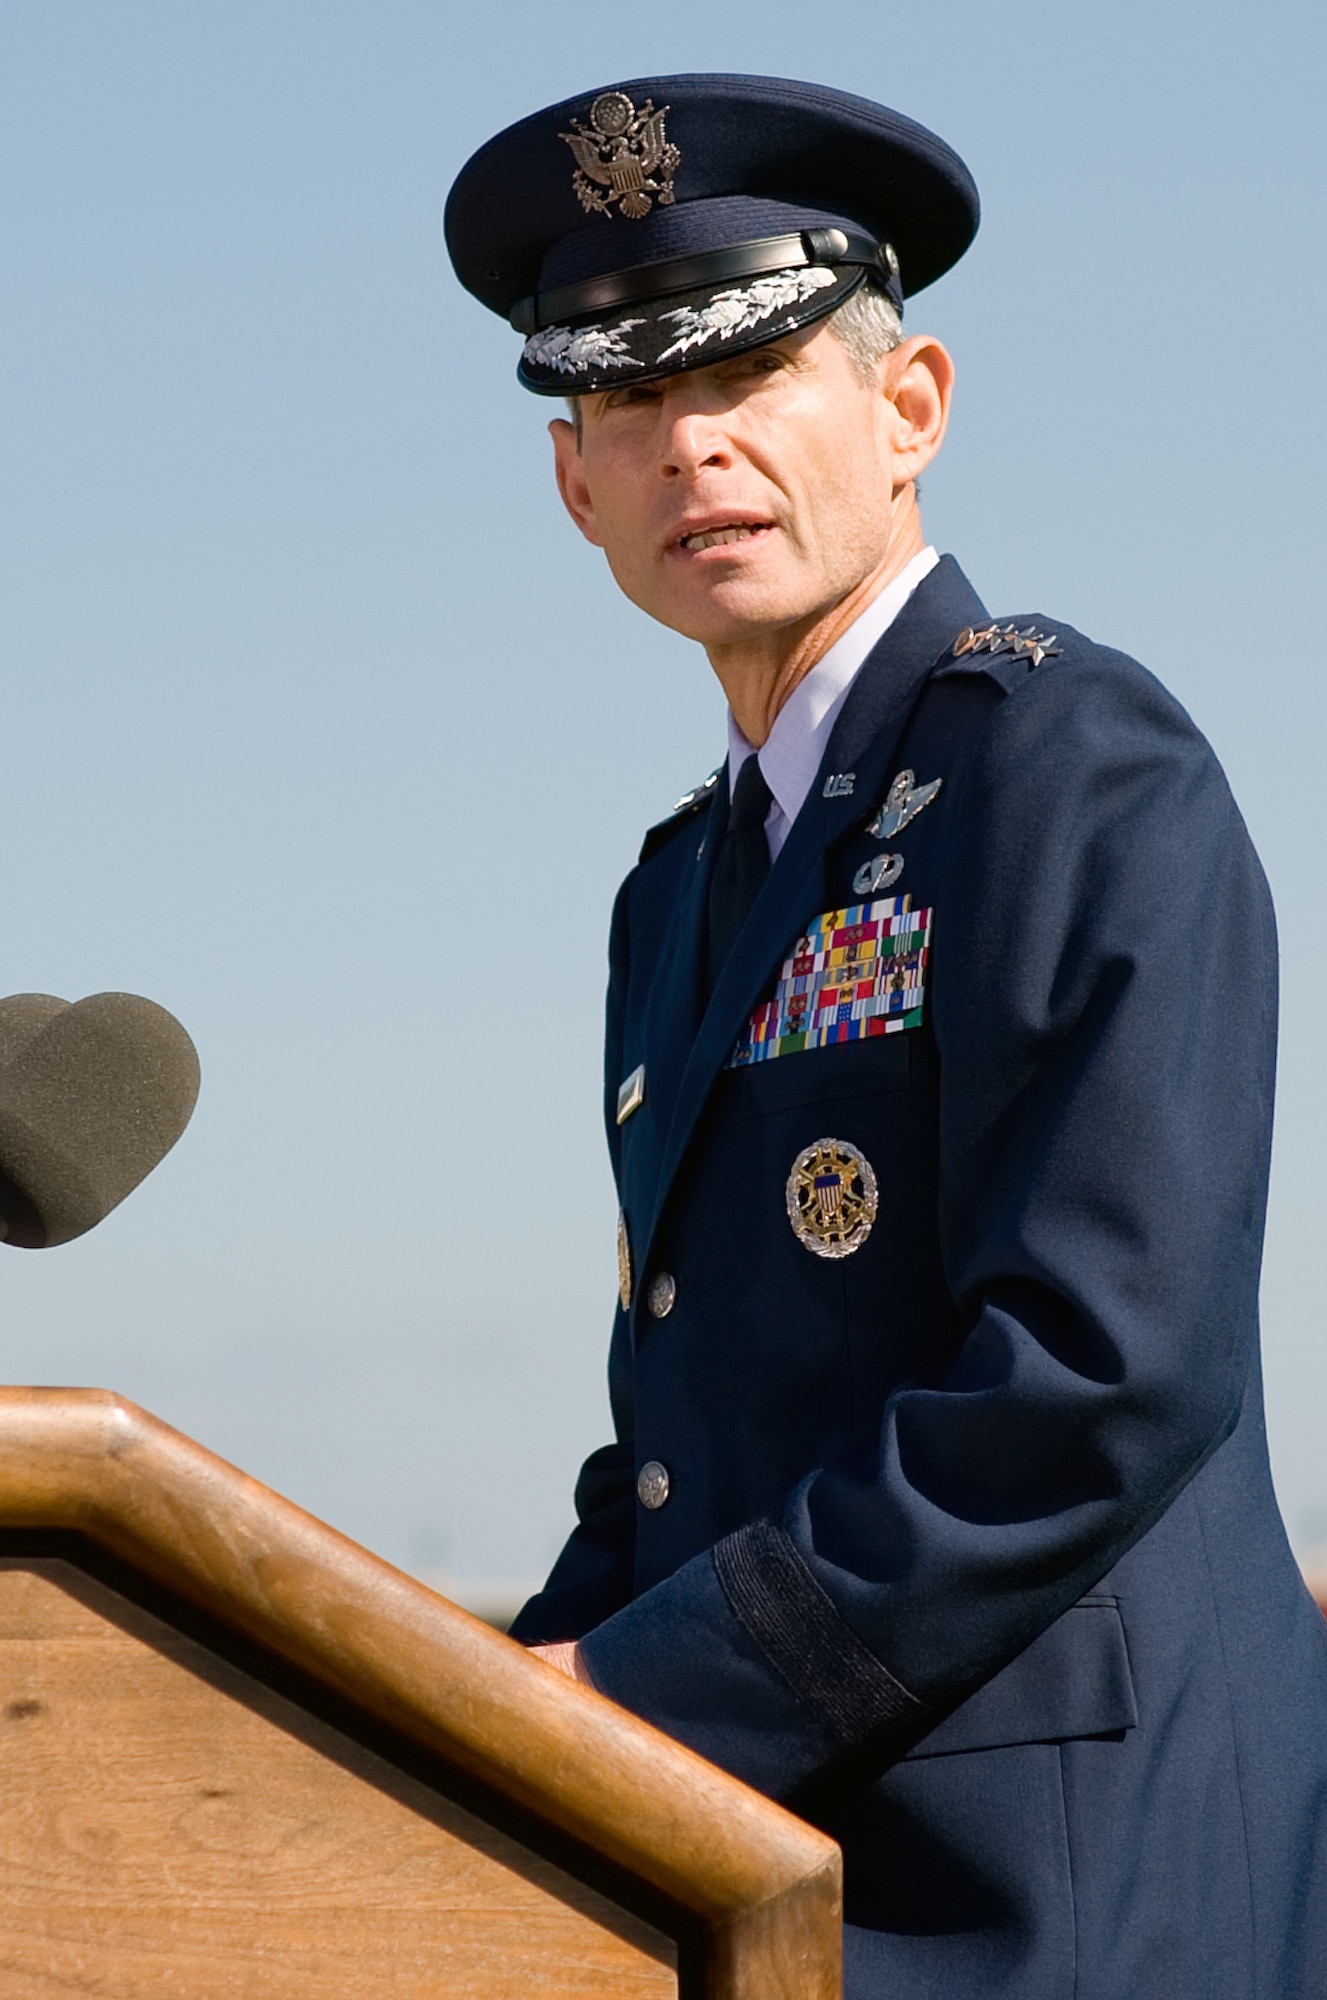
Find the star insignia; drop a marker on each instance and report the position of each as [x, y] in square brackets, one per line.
[1028, 644]
[693, 797]
[1038, 645]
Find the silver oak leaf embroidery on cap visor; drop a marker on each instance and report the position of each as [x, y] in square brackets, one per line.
[589, 347]
[743, 307]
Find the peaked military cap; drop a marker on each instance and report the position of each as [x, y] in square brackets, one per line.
[661, 224]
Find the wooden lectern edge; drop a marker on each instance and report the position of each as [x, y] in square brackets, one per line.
[766, 1883]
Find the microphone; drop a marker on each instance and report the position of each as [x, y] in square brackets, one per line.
[92, 1095]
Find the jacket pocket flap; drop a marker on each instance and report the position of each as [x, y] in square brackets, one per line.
[847, 1070]
[1073, 1680]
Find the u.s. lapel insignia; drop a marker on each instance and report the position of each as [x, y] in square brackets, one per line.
[625, 153]
[832, 1198]
[1028, 644]
[623, 1260]
[903, 801]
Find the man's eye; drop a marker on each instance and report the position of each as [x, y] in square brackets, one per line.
[760, 361]
[631, 395]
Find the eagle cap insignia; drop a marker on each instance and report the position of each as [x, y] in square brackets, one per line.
[623, 155]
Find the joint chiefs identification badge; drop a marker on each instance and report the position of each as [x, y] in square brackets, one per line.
[832, 1198]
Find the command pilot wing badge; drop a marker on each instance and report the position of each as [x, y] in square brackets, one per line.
[623, 156]
[903, 801]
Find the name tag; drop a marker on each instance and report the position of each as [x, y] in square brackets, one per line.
[631, 1094]
[853, 974]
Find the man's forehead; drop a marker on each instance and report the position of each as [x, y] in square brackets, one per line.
[636, 231]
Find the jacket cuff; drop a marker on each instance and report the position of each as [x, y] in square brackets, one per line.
[685, 1658]
[797, 1625]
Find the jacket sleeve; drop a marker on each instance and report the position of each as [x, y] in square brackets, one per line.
[592, 1577]
[1103, 993]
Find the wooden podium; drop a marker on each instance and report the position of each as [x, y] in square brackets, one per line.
[243, 1759]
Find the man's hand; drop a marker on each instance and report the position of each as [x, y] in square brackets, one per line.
[565, 1655]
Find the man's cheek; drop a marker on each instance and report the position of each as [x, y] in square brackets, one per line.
[633, 577]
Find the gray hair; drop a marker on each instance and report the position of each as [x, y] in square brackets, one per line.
[868, 326]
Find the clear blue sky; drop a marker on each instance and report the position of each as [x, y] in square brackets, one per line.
[322, 728]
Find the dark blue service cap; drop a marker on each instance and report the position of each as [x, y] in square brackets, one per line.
[661, 224]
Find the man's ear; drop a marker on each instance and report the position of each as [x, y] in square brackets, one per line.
[918, 384]
[572, 484]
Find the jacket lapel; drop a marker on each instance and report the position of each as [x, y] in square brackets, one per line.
[865, 741]
[677, 998]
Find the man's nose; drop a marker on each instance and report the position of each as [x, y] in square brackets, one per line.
[694, 443]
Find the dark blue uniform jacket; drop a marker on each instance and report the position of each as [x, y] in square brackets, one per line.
[970, 1551]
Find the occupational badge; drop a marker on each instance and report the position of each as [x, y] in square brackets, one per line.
[880, 873]
[903, 801]
[623, 1261]
[622, 156]
[832, 1198]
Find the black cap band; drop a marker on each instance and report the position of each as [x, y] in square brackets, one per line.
[708, 267]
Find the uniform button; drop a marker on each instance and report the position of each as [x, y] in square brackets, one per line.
[652, 1484]
[662, 1294]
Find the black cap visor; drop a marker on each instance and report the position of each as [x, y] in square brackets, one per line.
[651, 338]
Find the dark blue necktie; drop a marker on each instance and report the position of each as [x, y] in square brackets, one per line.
[742, 864]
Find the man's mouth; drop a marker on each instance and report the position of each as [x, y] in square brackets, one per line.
[714, 538]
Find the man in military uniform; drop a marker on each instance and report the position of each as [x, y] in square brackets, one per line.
[939, 1090]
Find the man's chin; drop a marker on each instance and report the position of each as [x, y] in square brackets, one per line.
[728, 614]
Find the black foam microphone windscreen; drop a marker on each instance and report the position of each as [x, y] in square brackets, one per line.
[92, 1096]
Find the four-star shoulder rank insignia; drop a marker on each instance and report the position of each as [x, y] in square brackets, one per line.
[1030, 644]
[697, 793]
[690, 802]
[903, 801]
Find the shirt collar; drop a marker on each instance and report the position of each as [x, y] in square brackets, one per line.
[792, 752]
